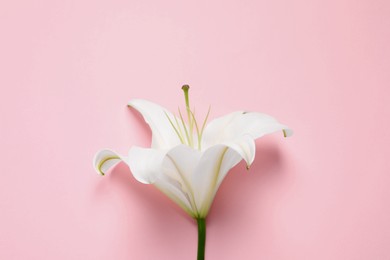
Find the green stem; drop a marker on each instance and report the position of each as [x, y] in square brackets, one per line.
[201, 237]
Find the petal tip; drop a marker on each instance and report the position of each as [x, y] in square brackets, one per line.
[133, 102]
[104, 160]
[287, 132]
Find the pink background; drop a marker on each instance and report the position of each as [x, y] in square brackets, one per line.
[68, 68]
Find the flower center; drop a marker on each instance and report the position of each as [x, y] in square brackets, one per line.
[190, 131]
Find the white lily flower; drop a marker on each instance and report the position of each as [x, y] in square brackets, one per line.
[188, 161]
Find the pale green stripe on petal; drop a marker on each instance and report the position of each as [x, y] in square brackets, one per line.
[209, 173]
[179, 164]
[172, 189]
[104, 160]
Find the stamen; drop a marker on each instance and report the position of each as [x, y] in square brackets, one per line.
[188, 137]
[178, 127]
[192, 121]
[174, 128]
[197, 129]
[185, 129]
[203, 126]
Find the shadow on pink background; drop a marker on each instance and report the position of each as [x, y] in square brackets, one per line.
[68, 68]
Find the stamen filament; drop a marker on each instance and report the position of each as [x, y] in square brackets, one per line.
[185, 129]
[188, 136]
[174, 128]
[203, 126]
[178, 127]
[197, 129]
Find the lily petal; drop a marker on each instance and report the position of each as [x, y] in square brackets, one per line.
[210, 172]
[245, 146]
[179, 164]
[163, 133]
[236, 124]
[104, 160]
[173, 189]
[145, 164]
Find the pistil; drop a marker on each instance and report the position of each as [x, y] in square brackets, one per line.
[190, 119]
[185, 132]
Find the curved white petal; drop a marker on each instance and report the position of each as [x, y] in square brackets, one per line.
[180, 162]
[145, 164]
[104, 160]
[245, 146]
[179, 165]
[209, 173]
[173, 189]
[236, 124]
[213, 132]
[191, 178]
[156, 116]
